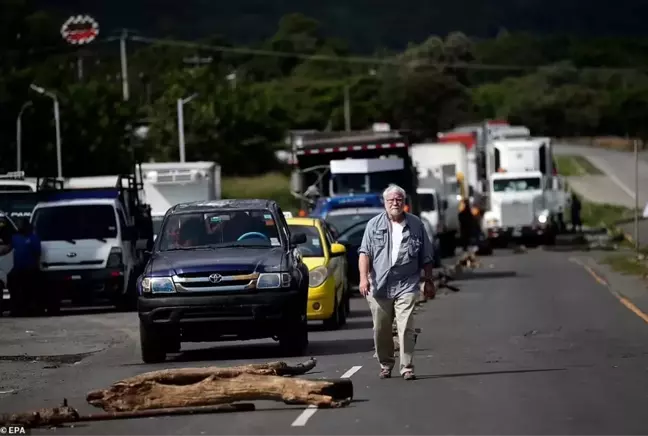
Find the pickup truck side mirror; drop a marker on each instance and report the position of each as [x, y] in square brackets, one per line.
[297, 238]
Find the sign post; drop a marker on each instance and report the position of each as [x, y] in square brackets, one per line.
[80, 30]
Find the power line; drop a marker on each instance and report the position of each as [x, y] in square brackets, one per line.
[368, 60]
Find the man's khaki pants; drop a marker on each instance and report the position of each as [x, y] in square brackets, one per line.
[383, 312]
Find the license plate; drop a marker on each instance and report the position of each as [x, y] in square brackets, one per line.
[75, 277]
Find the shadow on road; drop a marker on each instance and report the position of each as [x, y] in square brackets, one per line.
[358, 325]
[472, 374]
[485, 275]
[243, 351]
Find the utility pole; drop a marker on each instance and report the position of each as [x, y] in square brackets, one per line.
[57, 125]
[347, 109]
[124, 64]
[636, 215]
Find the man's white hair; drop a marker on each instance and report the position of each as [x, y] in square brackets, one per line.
[394, 188]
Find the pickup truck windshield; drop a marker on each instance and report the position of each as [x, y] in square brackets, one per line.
[61, 223]
[240, 227]
[517, 185]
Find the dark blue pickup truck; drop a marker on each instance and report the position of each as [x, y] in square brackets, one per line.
[223, 270]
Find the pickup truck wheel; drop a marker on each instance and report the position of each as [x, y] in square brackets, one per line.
[294, 340]
[152, 344]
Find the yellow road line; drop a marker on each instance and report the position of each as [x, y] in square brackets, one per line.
[622, 299]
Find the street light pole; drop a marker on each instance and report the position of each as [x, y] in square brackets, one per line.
[19, 135]
[636, 195]
[181, 137]
[57, 123]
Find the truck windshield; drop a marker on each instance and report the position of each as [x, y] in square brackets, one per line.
[517, 184]
[427, 202]
[357, 183]
[223, 228]
[62, 223]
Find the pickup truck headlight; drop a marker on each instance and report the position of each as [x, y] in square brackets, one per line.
[542, 219]
[317, 276]
[115, 258]
[273, 280]
[158, 285]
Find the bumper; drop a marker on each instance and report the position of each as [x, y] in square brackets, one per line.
[103, 282]
[321, 301]
[209, 317]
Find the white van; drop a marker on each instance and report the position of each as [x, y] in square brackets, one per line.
[88, 249]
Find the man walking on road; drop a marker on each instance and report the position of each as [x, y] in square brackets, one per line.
[395, 248]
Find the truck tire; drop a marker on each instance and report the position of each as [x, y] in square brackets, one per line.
[152, 344]
[294, 339]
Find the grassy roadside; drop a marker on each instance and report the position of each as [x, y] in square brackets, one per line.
[271, 186]
[628, 264]
[592, 214]
[575, 166]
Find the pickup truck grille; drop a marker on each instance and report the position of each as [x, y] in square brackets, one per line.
[517, 214]
[216, 282]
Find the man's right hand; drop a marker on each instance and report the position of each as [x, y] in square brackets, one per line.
[364, 286]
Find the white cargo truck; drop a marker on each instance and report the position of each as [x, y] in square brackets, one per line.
[169, 183]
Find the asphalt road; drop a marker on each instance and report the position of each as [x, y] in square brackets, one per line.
[619, 167]
[517, 351]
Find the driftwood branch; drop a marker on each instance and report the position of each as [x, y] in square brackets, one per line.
[183, 376]
[214, 390]
[64, 414]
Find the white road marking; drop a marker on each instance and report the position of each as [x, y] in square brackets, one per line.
[603, 166]
[307, 413]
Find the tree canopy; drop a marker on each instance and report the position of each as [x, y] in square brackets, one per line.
[248, 98]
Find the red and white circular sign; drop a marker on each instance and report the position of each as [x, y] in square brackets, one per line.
[80, 29]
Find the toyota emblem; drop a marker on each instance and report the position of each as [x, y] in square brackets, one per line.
[215, 278]
[71, 254]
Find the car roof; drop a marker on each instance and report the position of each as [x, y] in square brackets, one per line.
[302, 221]
[194, 206]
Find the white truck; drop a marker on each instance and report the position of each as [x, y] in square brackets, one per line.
[94, 240]
[519, 208]
[169, 183]
[441, 167]
[525, 197]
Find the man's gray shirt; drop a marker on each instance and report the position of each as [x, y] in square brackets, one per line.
[415, 252]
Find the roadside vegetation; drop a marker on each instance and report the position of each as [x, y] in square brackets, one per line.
[628, 263]
[575, 166]
[272, 186]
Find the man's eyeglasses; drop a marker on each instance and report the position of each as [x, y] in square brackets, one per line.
[395, 200]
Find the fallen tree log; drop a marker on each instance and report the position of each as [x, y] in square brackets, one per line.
[185, 376]
[214, 390]
[57, 416]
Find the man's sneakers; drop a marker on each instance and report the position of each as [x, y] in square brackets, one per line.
[407, 375]
[385, 373]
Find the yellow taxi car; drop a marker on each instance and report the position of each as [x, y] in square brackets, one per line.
[328, 293]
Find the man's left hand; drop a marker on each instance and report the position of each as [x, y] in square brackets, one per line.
[429, 290]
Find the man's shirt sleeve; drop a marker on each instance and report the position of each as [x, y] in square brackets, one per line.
[365, 245]
[427, 249]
